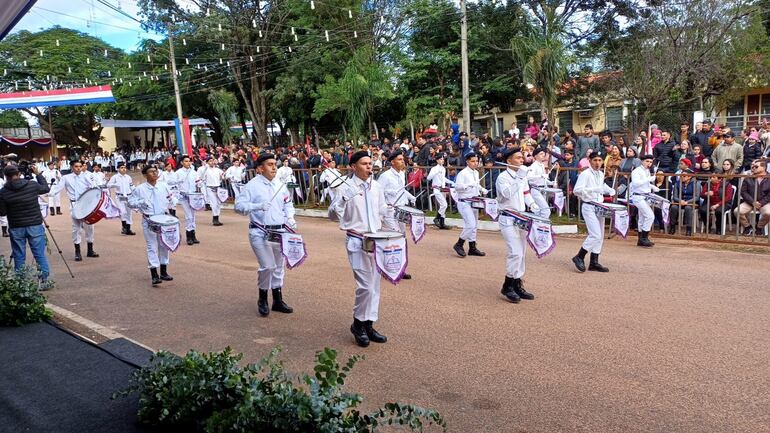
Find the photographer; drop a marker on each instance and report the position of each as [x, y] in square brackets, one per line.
[19, 202]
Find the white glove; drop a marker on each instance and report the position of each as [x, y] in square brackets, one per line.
[484, 191]
[264, 206]
[291, 223]
[534, 208]
[655, 188]
[412, 200]
[612, 192]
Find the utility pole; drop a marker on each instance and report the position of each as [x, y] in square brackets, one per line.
[464, 53]
[176, 86]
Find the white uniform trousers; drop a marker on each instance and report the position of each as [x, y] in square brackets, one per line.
[516, 242]
[213, 201]
[542, 203]
[125, 211]
[441, 202]
[271, 264]
[157, 253]
[54, 201]
[645, 215]
[595, 226]
[367, 305]
[189, 214]
[77, 226]
[470, 221]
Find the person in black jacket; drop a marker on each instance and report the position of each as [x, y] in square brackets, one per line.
[19, 202]
[664, 153]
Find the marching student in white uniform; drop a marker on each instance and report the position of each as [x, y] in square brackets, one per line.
[234, 174]
[52, 176]
[267, 203]
[513, 193]
[64, 165]
[211, 176]
[590, 187]
[76, 183]
[393, 183]
[643, 182]
[360, 207]
[467, 186]
[123, 185]
[99, 178]
[332, 178]
[188, 182]
[168, 176]
[152, 198]
[437, 178]
[538, 177]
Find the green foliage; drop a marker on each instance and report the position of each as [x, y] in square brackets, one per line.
[12, 119]
[20, 299]
[210, 392]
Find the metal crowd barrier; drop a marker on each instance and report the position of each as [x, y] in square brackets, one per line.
[311, 193]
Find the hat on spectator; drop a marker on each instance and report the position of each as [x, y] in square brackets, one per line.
[730, 134]
[11, 170]
[395, 154]
[537, 151]
[507, 154]
[358, 155]
[264, 157]
[646, 157]
[686, 161]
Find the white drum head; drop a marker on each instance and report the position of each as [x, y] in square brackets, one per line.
[411, 210]
[164, 220]
[384, 235]
[86, 203]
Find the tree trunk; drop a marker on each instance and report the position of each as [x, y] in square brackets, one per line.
[152, 139]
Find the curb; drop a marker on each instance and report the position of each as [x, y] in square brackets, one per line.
[102, 331]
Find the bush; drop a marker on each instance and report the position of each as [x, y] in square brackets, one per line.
[20, 299]
[209, 392]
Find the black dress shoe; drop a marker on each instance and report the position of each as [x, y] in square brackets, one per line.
[373, 334]
[508, 292]
[518, 287]
[406, 277]
[262, 306]
[359, 333]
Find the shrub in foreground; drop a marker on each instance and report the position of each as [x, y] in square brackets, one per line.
[20, 299]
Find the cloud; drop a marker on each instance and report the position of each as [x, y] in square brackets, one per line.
[97, 20]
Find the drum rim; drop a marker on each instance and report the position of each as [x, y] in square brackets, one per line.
[75, 208]
[394, 235]
[170, 219]
[408, 210]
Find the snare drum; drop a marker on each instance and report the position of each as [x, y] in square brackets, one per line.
[475, 202]
[196, 200]
[607, 209]
[404, 214]
[370, 238]
[522, 219]
[89, 206]
[653, 199]
[549, 190]
[157, 222]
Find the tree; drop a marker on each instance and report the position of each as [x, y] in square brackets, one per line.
[12, 119]
[674, 59]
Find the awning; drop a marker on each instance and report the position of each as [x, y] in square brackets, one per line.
[11, 12]
[116, 123]
[24, 142]
[54, 98]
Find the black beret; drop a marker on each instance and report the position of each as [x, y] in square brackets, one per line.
[507, 154]
[395, 154]
[645, 157]
[471, 155]
[537, 151]
[264, 157]
[440, 156]
[120, 164]
[358, 155]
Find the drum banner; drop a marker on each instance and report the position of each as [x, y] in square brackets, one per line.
[490, 208]
[390, 257]
[197, 201]
[222, 194]
[293, 249]
[558, 200]
[665, 207]
[540, 238]
[169, 235]
[417, 227]
[620, 222]
[110, 209]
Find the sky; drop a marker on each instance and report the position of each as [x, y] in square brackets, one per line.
[88, 16]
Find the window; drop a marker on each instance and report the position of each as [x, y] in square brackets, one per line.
[565, 120]
[734, 119]
[614, 118]
[766, 104]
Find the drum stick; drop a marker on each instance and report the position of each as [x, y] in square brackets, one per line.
[404, 191]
